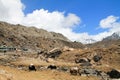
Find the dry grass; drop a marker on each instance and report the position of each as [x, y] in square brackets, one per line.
[27, 61]
[111, 59]
[40, 75]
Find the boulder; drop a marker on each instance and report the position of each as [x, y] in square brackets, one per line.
[97, 58]
[88, 71]
[54, 53]
[114, 74]
[81, 60]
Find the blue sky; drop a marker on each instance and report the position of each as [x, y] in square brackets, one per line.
[90, 11]
[78, 20]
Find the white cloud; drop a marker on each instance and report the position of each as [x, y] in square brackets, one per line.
[111, 22]
[12, 11]
[113, 25]
[51, 21]
[108, 22]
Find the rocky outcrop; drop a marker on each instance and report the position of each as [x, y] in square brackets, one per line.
[114, 36]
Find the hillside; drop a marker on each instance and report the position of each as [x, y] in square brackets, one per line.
[32, 38]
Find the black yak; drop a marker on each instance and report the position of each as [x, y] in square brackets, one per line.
[32, 67]
[74, 70]
[52, 66]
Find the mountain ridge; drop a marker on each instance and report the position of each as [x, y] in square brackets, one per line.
[114, 36]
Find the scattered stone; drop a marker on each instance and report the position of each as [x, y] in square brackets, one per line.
[64, 69]
[103, 76]
[88, 72]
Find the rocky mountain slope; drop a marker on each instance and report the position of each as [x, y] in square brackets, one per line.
[114, 39]
[114, 36]
[104, 44]
[32, 38]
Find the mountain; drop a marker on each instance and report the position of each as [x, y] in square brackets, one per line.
[114, 36]
[32, 38]
[89, 41]
[112, 40]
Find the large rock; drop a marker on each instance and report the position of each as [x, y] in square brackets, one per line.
[54, 53]
[81, 60]
[114, 73]
[97, 58]
[88, 71]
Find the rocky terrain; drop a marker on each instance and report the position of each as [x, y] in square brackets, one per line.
[54, 57]
[32, 38]
[114, 36]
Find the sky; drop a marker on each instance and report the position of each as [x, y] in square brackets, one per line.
[78, 20]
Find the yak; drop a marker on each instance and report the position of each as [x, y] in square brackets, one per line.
[32, 67]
